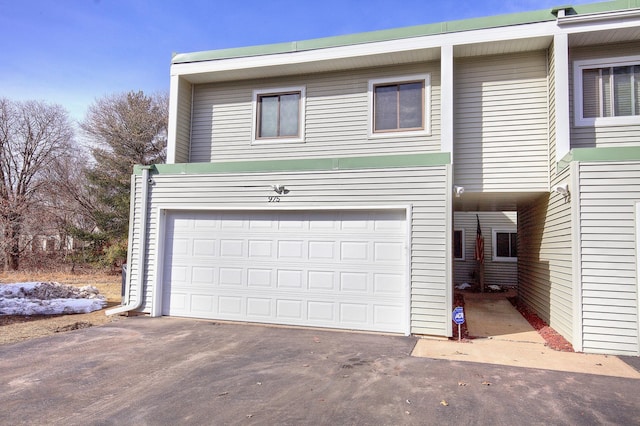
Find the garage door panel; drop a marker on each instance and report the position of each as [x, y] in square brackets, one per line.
[328, 269]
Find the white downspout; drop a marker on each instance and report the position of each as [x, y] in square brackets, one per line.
[135, 304]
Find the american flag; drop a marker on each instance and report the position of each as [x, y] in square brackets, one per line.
[479, 254]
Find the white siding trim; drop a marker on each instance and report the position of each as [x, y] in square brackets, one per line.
[407, 252]
[561, 74]
[576, 258]
[638, 267]
[172, 126]
[448, 255]
[156, 300]
[446, 98]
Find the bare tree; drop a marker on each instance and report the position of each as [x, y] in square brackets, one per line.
[32, 136]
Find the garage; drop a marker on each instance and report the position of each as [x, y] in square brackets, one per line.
[335, 268]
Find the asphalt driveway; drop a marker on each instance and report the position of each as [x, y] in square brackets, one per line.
[161, 371]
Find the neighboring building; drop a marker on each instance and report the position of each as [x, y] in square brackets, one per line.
[312, 183]
[500, 261]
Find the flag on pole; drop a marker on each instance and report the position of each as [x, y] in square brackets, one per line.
[479, 254]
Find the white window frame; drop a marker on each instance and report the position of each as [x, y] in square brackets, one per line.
[426, 78]
[463, 248]
[255, 140]
[578, 66]
[494, 245]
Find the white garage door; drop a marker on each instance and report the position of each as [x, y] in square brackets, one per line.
[339, 269]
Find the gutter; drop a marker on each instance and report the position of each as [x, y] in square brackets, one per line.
[136, 304]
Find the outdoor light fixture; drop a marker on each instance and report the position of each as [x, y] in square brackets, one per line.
[279, 189]
[562, 189]
[458, 190]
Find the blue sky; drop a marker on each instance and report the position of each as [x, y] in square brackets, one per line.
[72, 52]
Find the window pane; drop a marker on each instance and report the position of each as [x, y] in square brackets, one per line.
[606, 93]
[410, 101]
[590, 98]
[268, 116]
[457, 244]
[514, 245]
[385, 109]
[502, 244]
[289, 110]
[622, 91]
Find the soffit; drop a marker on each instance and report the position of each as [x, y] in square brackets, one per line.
[502, 47]
[494, 201]
[591, 38]
[296, 64]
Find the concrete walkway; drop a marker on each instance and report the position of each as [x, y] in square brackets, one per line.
[504, 337]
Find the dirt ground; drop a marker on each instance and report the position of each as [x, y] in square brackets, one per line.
[15, 328]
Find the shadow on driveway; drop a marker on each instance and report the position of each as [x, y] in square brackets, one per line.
[171, 371]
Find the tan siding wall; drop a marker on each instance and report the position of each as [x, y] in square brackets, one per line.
[603, 136]
[183, 123]
[501, 124]
[499, 273]
[337, 118]
[608, 193]
[545, 280]
[423, 188]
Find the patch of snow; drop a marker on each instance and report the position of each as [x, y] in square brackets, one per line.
[463, 286]
[48, 298]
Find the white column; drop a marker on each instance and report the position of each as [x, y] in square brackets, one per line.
[446, 99]
[561, 72]
[174, 92]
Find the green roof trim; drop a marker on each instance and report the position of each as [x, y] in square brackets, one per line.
[402, 33]
[587, 155]
[303, 165]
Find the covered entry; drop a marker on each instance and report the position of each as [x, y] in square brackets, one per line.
[333, 268]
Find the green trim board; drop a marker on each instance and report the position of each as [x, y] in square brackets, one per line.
[303, 165]
[402, 33]
[621, 153]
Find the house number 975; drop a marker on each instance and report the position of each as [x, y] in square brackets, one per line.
[274, 199]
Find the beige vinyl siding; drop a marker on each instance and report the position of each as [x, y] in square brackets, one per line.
[336, 121]
[498, 273]
[425, 189]
[545, 278]
[608, 193]
[501, 123]
[183, 120]
[601, 136]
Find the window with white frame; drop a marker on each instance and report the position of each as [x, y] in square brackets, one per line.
[607, 91]
[505, 245]
[458, 244]
[399, 105]
[279, 115]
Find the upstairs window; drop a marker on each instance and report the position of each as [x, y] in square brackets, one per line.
[607, 91]
[279, 115]
[505, 245]
[399, 105]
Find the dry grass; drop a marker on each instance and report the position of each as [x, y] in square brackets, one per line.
[15, 329]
